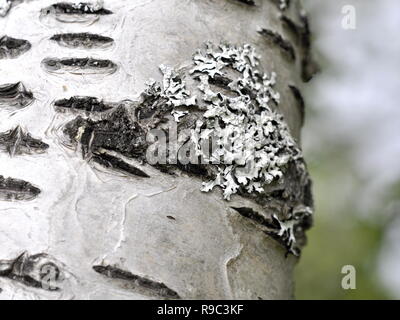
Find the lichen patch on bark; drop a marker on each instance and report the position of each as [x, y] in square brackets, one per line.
[233, 102]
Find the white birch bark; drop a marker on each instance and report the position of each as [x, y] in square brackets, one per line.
[161, 228]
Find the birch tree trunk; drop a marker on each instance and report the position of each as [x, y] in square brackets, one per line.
[85, 214]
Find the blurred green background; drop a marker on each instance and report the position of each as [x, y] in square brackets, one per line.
[351, 141]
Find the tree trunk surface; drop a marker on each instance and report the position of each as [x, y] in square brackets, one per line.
[97, 231]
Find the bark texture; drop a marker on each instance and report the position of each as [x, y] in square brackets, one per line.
[84, 215]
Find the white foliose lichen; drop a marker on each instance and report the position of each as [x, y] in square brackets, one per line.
[172, 90]
[254, 140]
[237, 133]
[175, 92]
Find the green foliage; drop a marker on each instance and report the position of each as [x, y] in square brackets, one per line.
[339, 237]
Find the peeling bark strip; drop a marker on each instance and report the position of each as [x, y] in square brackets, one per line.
[79, 66]
[278, 40]
[17, 141]
[110, 161]
[12, 48]
[82, 40]
[15, 95]
[32, 270]
[299, 98]
[15, 189]
[74, 12]
[88, 104]
[135, 282]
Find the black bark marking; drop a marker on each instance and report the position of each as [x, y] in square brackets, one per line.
[278, 40]
[300, 100]
[81, 103]
[31, 270]
[82, 8]
[12, 47]
[79, 65]
[220, 81]
[110, 161]
[82, 40]
[15, 95]
[15, 189]
[152, 107]
[249, 213]
[309, 68]
[308, 196]
[195, 169]
[117, 131]
[171, 218]
[122, 130]
[294, 28]
[302, 34]
[248, 2]
[67, 12]
[17, 141]
[137, 282]
[271, 227]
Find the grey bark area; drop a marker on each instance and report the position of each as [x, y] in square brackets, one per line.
[84, 213]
